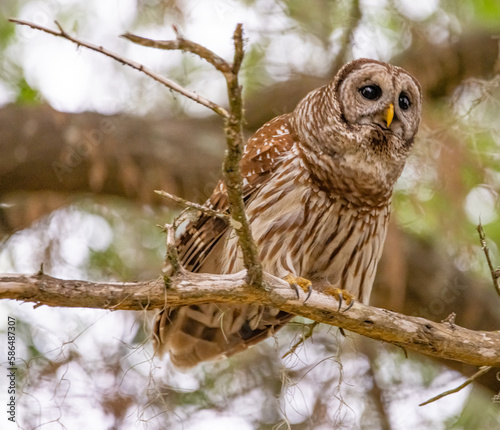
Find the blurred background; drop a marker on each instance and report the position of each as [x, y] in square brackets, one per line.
[85, 141]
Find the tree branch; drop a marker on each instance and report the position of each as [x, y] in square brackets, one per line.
[446, 341]
[183, 45]
[219, 110]
[172, 256]
[231, 166]
[442, 340]
[233, 124]
[234, 138]
[494, 272]
[483, 370]
[187, 204]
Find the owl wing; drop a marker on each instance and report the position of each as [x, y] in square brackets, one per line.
[196, 333]
[262, 153]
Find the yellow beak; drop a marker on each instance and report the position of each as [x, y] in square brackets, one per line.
[389, 115]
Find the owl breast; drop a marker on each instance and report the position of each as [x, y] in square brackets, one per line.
[306, 231]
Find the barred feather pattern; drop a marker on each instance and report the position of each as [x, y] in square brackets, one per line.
[317, 190]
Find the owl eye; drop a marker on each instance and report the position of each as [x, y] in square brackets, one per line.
[404, 101]
[371, 92]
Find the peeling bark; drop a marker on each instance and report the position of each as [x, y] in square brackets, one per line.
[443, 340]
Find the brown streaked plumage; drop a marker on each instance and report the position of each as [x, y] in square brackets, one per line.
[317, 188]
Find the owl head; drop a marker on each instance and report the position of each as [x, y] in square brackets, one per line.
[372, 95]
[360, 126]
[369, 102]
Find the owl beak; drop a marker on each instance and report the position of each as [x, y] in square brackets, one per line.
[389, 115]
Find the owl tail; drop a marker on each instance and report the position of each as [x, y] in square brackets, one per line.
[196, 333]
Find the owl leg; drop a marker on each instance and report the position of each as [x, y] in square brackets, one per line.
[296, 282]
[341, 295]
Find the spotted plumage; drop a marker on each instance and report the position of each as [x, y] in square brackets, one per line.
[317, 185]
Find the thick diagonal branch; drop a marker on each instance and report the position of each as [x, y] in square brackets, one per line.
[442, 340]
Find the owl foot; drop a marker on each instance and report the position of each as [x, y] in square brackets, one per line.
[296, 282]
[341, 295]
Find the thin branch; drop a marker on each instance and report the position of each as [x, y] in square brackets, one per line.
[233, 128]
[234, 139]
[493, 271]
[303, 338]
[183, 45]
[482, 371]
[133, 64]
[231, 166]
[191, 205]
[238, 49]
[172, 256]
[479, 348]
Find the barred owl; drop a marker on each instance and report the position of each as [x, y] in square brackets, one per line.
[317, 189]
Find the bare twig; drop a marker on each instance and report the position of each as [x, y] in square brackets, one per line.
[303, 338]
[191, 205]
[233, 124]
[231, 169]
[482, 371]
[183, 45]
[234, 138]
[493, 271]
[479, 348]
[133, 64]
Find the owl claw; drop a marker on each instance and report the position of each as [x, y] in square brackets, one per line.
[350, 305]
[296, 282]
[341, 296]
[295, 288]
[309, 292]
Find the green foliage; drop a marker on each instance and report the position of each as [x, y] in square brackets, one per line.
[485, 13]
[254, 72]
[7, 32]
[480, 412]
[317, 17]
[26, 95]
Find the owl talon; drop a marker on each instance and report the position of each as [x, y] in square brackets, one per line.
[309, 292]
[350, 305]
[340, 302]
[296, 282]
[341, 296]
[295, 288]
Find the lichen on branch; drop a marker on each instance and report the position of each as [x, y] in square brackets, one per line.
[443, 340]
